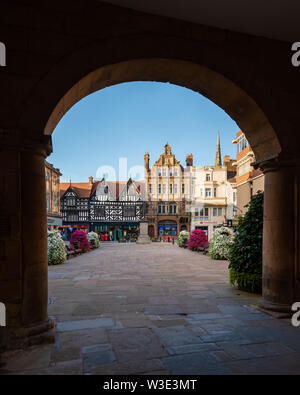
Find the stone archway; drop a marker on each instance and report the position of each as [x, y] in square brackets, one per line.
[235, 71]
[213, 85]
[243, 109]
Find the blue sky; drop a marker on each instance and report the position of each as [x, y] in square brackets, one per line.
[127, 120]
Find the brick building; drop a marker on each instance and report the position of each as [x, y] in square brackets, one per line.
[52, 176]
[248, 180]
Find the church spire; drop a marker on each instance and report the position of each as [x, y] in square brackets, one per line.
[218, 153]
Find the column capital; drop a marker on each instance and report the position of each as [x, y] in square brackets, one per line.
[275, 163]
[12, 139]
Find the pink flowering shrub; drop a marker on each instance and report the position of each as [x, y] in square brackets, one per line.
[80, 236]
[198, 239]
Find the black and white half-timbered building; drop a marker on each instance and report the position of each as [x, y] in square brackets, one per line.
[109, 208]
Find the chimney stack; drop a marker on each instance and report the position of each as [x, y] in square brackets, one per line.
[146, 161]
[91, 180]
[189, 160]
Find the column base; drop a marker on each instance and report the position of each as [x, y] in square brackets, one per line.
[277, 310]
[18, 338]
[143, 239]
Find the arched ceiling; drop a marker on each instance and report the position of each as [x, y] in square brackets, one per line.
[275, 19]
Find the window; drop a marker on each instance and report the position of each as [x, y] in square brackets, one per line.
[100, 211]
[72, 216]
[182, 188]
[207, 192]
[106, 190]
[159, 172]
[175, 188]
[172, 208]
[215, 212]
[161, 208]
[175, 172]
[242, 144]
[150, 188]
[207, 177]
[219, 212]
[171, 172]
[71, 202]
[196, 212]
[171, 188]
[164, 172]
[159, 188]
[164, 188]
[215, 192]
[206, 212]
[129, 211]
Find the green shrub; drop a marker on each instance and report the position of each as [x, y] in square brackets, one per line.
[56, 249]
[245, 257]
[184, 234]
[94, 236]
[220, 243]
[246, 281]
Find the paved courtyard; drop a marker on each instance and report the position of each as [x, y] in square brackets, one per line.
[155, 309]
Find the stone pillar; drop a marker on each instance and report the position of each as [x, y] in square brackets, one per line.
[143, 236]
[281, 235]
[23, 239]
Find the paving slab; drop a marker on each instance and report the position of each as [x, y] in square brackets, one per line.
[155, 309]
[68, 326]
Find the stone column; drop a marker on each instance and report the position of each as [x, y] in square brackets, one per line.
[23, 239]
[281, 237]
[143, 236]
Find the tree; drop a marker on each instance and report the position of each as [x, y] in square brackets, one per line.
[245, 267]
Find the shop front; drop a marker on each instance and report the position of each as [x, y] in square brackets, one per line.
[115, 231]
[167, 228]
[53, 222]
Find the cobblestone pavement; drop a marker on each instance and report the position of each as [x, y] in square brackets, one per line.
[155, 309]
